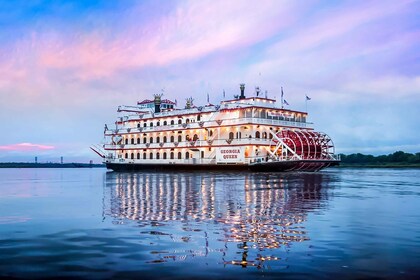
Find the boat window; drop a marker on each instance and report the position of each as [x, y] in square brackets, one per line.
[151, 139]
[144, 155]
[126, 141]
[187, 138]
[165, 123]
[126, 155]
[179, 155]
[257, 134]
[164, 139]
[158, 139]
[198, 118]
[151, 155]
[144, 140]
[138, 140]
[144, 124]
[158, 155]
[195, 138]
[164, 155]
[172, 122]
[179, 138]
[264, 135]
[138, 155]
[202, 154]
[151, 124]
[238, 135]
[179, 121]
[138, 125]
[158, 123]
[172, 155]
[187, 121]
[132, 140]
[172, 138]
[230, 135]
[211, 133]
[187, 155]
[132, 155]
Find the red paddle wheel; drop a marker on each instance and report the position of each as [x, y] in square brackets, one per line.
[302, 145]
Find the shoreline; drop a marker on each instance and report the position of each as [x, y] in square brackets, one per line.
[88, 165]
[49, 165]
[407, 165]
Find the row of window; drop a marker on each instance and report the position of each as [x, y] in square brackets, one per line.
[152, 105]
[165, 139]
[258, 135]
[172, 122]
[164, 155]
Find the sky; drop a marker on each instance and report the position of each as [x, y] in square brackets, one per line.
[65, 66]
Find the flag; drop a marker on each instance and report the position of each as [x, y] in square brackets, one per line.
[224, 94]
[208, 98]
[308, 98]
[176, 103]
[285, 102]
[282, 92]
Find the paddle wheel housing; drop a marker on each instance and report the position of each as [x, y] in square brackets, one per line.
[295, 144]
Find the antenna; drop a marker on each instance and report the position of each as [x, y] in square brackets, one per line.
[257, 90]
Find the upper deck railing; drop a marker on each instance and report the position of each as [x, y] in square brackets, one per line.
[191, 144]
[213, 123]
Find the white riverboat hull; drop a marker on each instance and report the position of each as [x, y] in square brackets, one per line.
[280, 166]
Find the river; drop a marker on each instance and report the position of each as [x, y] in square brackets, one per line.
[97, 224]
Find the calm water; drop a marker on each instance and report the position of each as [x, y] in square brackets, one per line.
[90, 223]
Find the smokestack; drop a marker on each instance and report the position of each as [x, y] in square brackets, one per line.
[157, 102]
[242, 87]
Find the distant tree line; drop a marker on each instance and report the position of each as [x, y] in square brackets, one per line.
[395, 158]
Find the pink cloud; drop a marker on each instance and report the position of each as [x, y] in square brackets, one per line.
[338, 23]
[193, 30]
[26, 147]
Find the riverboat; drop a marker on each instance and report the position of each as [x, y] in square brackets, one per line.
[244, 133]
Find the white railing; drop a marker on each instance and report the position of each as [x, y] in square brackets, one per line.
[195, 125]
[203, 161]
[187, 144]
[264, 121]
[174, 113]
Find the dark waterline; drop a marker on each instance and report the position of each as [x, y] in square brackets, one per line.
[89, 223]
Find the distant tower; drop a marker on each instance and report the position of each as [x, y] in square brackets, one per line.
[61, 160]
[36, 159]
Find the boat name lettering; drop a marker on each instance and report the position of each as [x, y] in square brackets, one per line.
[230, 156]
[230, 151]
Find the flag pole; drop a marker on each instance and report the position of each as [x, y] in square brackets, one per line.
[306, 102]
[282, 104]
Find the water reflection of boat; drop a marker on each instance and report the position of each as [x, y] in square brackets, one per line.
[258, 212]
